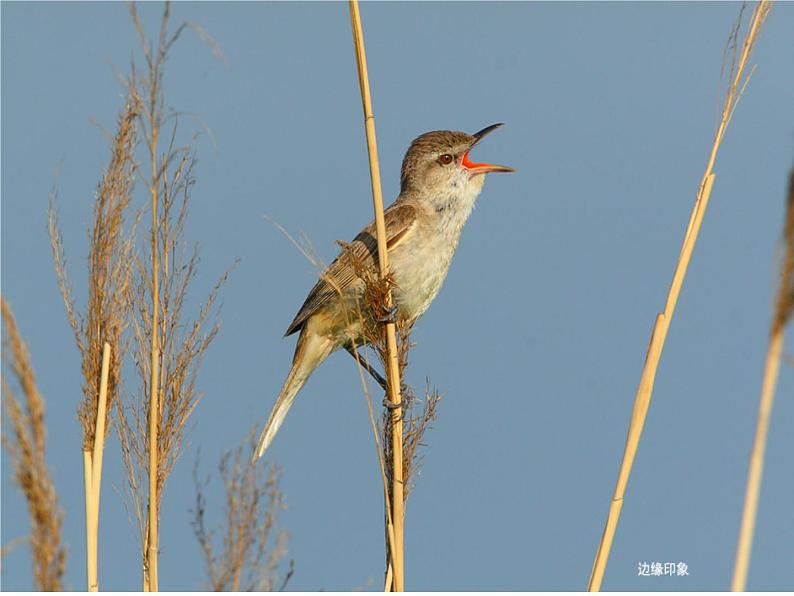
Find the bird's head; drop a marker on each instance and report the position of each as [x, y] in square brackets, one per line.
[438, 163]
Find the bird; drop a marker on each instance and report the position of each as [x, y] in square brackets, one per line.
[439, 184]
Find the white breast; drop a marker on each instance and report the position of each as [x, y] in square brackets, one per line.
[420, 264]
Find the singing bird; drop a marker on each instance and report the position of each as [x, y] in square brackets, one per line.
[439, 185]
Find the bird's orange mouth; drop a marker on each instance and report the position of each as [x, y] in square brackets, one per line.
[482, 168]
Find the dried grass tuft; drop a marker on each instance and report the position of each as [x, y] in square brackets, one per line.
[418, 421]
[110, 261]
[25, 443]
[251, 548]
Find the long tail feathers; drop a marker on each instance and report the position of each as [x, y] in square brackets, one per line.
[309, 353]
[292, 385]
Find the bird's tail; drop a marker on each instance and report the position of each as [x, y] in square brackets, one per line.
[311, 350]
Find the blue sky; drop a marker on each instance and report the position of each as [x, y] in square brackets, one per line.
[536, 340]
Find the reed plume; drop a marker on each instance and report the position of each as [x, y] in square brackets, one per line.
[251, 548]
[102, 326]
[25, 442]
[110, 259]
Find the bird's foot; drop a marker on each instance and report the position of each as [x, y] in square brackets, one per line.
[390, 315]
[392, 406]
[406, 398]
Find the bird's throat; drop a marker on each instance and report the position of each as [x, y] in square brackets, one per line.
[452, 209]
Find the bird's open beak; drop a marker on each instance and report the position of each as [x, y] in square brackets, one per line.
[483, 168]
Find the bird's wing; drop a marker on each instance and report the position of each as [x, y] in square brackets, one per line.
[400, 219]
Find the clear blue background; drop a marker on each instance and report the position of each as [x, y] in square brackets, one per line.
[538, 337]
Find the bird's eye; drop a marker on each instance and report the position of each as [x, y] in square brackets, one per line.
[445, 159]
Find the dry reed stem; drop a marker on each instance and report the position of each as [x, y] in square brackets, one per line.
[25, 443]
[252, 549]
[392, 368]
[92, 475]
[734, 90]
[99, 444]
[382, 467]
[387, 584]
[151, 580]
[91, 577]
[168, 348]
[784, 307]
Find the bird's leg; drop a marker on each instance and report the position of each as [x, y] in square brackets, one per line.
[361, 360]
[375, 375]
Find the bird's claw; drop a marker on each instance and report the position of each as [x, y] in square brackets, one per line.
[392, 406]
[390, 315]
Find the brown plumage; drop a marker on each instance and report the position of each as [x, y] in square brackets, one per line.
[340, 274]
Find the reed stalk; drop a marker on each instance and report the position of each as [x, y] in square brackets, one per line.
[96, 462]
[150, 576]
[99, 443]
[392, 366]
[783, 310]
[92, 477]
[736, 85]
[90, 538]
[389, 518]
